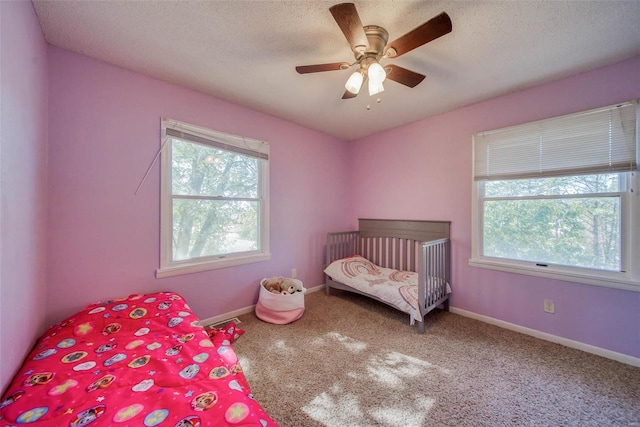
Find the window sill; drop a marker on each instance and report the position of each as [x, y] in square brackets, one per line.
[604, 279]
[211, 265]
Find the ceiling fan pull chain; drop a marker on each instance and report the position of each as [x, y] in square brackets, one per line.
[378, 101]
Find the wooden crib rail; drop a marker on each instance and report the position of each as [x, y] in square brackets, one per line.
[341, 245]
[391, 252]
[434, 274]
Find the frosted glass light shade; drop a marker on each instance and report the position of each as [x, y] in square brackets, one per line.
[376, 73]
[375, 88]
[354, 83]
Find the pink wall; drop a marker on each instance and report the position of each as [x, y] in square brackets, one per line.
[104, 130]
[23, 197]
[423, 171]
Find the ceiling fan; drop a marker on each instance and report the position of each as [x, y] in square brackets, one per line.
[369, 46]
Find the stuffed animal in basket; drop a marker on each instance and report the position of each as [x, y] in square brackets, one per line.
[273, 284]
[289, 286]
[281, 285]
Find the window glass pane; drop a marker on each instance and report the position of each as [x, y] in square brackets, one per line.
[200, 170]
[582, 232]
[214, 227]
[580, 184]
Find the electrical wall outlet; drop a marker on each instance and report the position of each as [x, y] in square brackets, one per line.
[549, 306]
[294, 273]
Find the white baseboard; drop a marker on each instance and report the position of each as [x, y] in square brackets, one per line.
[624, 358]
[315, 288]
[244, 310]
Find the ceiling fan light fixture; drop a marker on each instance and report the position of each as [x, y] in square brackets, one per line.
[375, 87]
[354, 83]
[376, 73]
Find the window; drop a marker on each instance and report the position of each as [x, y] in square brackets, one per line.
[214, 200]
[559, 198]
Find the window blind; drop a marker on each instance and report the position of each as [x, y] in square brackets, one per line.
[595, 141]
[218, 144]
[237, 144]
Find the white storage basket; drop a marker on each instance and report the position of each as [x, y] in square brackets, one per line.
[280, 308]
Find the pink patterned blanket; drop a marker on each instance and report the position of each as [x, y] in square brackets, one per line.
[142, 360]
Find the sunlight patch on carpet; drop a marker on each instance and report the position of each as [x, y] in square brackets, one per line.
[282, 348]
[337, 407]
[349, 343]
[317, 342]
[393, 369]
[337, 410]
[407, 415]
[245, 363]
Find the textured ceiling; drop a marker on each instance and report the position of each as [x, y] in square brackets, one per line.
[246, 51]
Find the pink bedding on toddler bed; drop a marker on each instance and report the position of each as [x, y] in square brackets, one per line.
[137, 361]
[397, 288]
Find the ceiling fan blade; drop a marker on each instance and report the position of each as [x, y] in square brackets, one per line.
[349, 22]
[349, 95]
[334, 66]
[403, 76]
[430, 30]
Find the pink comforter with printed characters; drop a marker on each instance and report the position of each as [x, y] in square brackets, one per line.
[137, 361]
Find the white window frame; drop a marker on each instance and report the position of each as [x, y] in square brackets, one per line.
[169, 267]
[629, 276]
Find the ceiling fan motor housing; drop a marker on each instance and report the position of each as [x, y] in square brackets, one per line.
[377, 38]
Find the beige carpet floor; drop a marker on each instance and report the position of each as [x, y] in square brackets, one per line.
[351, 361]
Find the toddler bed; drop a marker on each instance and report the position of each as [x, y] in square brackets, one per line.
[402, 263]
[144, 360]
